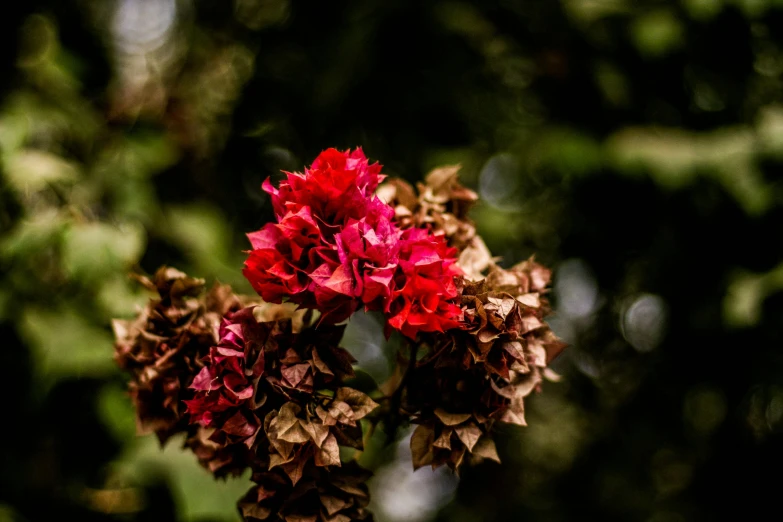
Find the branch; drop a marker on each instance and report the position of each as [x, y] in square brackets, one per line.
[395, 417]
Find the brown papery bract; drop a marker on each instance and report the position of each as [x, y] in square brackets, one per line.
[481, 374]
[162, 347]
[321, 495]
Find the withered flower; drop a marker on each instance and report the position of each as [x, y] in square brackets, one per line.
[441, 203]
[278, 394]
[483, 373]
[447, 438]
[322, 495]
[314, 432]
[161, 348]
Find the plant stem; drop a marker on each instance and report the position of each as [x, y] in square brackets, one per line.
[395, 418]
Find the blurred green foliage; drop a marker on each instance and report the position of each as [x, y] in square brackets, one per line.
[636, 146]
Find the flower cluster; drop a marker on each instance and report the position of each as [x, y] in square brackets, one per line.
[335, 248]
[442, 206]
[273, 397]
[265, 385]
[162, 348]
[338, 495]
[480, 373]
[216, 450]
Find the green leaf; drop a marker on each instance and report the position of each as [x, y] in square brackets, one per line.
[120, 296]
[197, 494]
[657, 33]
[138, 155]
[33, 235]
[202, 232]
[93, 250]
[66, 344]
[32, 170]
[362, 381]
[117, 413]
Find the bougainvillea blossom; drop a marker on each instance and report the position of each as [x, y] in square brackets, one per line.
[266, 386]
[424, 290]
[163, 346]
[225, 394]
[336, 248]
[336, 187]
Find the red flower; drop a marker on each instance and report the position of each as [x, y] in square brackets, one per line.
[281, 259]
[337, 186]
[332, 235]
[225, 392]
[425, 292]
[335, 248]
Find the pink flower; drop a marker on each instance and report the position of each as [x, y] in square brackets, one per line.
[335, 248]
[424, 296]
[224, 388]
[337, 186]
[282, 256]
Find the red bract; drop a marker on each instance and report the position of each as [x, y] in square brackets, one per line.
[224, 398]
[335, 248]
[332, 235]
[422, 300]
[337, 186]
[282, 256]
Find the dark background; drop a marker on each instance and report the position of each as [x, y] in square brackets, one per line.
[634, 145]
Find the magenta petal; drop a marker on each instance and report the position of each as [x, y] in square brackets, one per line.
[341, 281]
[205, 381]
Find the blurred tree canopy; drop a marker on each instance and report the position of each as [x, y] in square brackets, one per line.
[637, 146]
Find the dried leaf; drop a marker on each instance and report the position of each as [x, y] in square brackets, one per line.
[350, 436]
[551, 376]
[515, 349]
[469, 434]
[474, 259]
[485, 449]
[337, 518]
[442, 177]
[318, 432]
[361, 404]
[421, 446]
[521, 386]
[325, 417]
[295, 469]
[320, 365]
[515, 413]
[286, 417]
[444, 441]
[329, 453]
[294, 374]
[296, 434]
[120, 328]
[334, 504]
[301, 518]
[451, 419]
[530, 323]
[553, 349]
[531, 300]
[241, 426]
[254, 510]
[342, 412]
